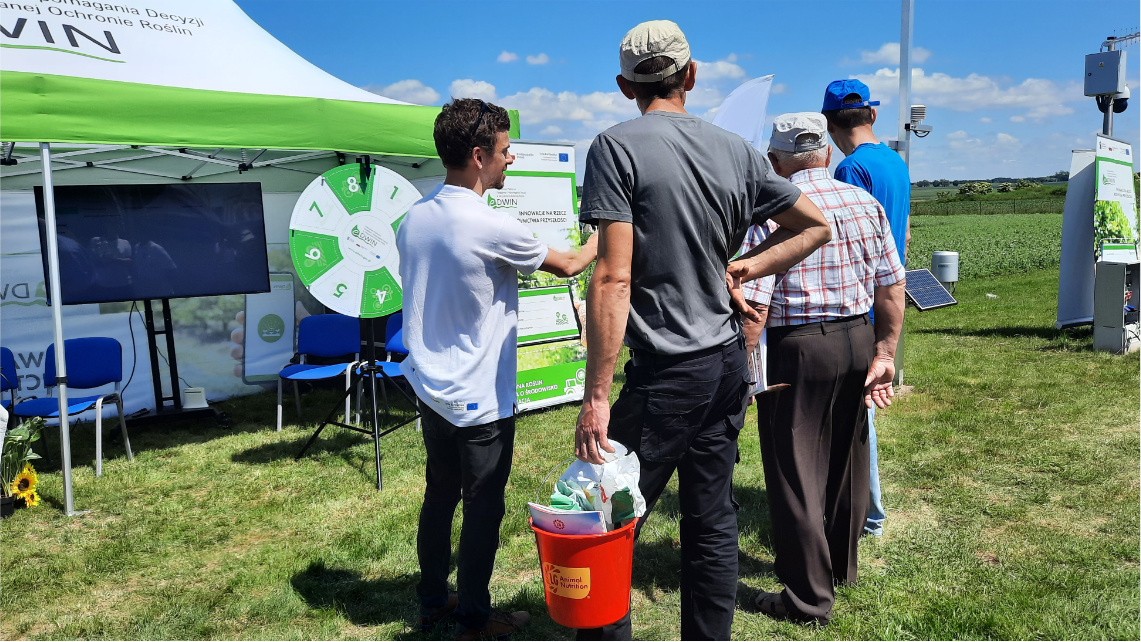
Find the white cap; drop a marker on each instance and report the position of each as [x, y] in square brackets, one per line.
[651, 39]
[803, 131]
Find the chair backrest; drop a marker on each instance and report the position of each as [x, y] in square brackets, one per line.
[329, 335]
[395, 343]
[8, 380]
[394, 334]
[394, 324]
[91, 362]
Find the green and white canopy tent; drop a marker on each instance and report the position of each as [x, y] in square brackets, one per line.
[178, 90]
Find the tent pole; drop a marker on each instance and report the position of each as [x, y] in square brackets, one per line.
[57, 323]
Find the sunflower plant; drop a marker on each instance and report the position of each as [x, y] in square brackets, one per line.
[18, 478]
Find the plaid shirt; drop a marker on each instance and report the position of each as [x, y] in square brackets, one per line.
[839, 279]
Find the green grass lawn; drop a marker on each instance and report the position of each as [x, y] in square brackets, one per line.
[1010, 477]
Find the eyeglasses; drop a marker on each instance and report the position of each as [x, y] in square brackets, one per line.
[483, 109]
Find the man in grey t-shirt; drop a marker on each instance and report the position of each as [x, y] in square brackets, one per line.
[673, 197]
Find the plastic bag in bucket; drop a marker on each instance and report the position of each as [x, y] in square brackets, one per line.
[612, 487]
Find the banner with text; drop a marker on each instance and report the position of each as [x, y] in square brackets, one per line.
[540, 192]
[1114, 208]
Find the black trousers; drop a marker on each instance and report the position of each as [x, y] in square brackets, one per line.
[684, 414]
[814, 445]
[471, 463]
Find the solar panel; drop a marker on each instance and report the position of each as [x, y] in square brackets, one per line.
[926, 292]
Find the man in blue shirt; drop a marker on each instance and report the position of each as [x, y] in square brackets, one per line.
[878, 169]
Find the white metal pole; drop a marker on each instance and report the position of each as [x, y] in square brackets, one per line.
[57, 323]
[907, 21]
[907, 12]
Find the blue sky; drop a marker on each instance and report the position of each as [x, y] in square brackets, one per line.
[1002, 80]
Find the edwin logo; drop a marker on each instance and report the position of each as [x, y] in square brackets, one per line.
[366, 235]
[496, 203]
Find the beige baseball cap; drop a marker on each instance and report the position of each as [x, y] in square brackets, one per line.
[650, 39]
[803, 131]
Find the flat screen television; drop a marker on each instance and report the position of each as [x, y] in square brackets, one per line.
[140, 242]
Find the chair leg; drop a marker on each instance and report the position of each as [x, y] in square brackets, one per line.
[279, 404]
[99, 437]
[123, 428]
[360, 393]
[297, 397]
[348, 386]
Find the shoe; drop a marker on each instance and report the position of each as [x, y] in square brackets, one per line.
[498, 627]
[427, 622]
[772, 605]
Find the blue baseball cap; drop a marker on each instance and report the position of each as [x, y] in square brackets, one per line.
[838, 90]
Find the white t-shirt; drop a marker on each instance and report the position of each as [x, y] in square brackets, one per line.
[459, 265]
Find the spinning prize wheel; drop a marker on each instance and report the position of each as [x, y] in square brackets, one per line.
[342, 237]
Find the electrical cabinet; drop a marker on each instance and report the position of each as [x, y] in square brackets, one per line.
[1105, 73]
[1115, 302]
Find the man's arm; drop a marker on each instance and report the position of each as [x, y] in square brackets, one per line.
[607, 311]
[803, 229]
[570, 263]
[888, 306]
[752, 328]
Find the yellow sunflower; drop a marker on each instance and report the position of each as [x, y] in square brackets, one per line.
[31, 499]
[24, 485]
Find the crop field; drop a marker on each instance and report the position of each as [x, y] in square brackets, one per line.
[988, 245]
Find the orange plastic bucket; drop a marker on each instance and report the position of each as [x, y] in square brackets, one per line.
[586, 578]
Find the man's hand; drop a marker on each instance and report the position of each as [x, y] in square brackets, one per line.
[877, 387]
[733, 281]
[590, 433]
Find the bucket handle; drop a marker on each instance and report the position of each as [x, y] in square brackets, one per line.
[545, 479]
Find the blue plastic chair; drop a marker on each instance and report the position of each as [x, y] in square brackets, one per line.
[91, 363]
[8, 378]
[322, 335]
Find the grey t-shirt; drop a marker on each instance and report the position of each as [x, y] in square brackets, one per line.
[691, 191]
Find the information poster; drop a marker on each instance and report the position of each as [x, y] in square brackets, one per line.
[540, 192]
[1114, 208]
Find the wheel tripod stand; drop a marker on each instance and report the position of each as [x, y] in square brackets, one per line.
[371, 368]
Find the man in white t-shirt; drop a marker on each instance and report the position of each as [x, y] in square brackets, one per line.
[460, 262]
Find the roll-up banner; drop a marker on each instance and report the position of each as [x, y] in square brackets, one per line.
[540, 192]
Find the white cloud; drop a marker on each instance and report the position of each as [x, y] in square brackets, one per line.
[888, 54]
[539, 105]
[779, 88]
[1007, 139]
[411, 90]
[719, 69]
[1043, 98]
[551, 130]
[957, 135]
[540, 59]
[985, 119]
[507, 56]
[1017, 119]
[468, 88]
